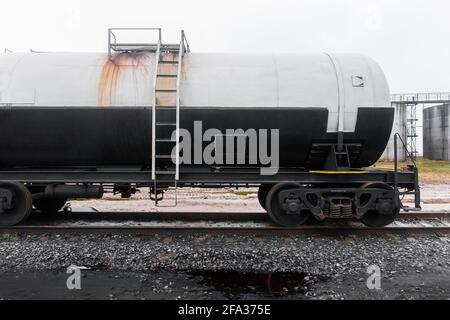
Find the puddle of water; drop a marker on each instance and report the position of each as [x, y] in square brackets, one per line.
[233, 283]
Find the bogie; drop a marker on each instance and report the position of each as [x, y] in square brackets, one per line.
[291, 204]
[15, 203]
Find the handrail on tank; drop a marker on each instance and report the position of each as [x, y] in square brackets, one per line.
[112, 35]
[408, 154]
[185, 43]
[416, 175]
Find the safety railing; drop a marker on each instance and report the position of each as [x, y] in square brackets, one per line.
[184, 43]
[416, 98]
[409, 155]
[114, 45]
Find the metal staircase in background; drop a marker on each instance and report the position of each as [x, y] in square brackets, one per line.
[411, 102]
[165, 108]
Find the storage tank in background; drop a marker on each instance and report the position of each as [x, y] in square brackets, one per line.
[436, 133]
[400, 123]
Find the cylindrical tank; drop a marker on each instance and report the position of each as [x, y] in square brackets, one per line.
[75, 109]
[436, 132]
[400, 123]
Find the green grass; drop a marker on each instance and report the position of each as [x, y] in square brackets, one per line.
[9, 236]
[242, 193]
[430, 171]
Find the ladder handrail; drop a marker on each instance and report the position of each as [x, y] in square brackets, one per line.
[409, 154]
[155, 79]
[416, 175]
[177, 126]
[184, 42]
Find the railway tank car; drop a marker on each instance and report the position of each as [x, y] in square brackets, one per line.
[68, 109]
[75, 124]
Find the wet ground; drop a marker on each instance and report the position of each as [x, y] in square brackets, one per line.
[225, 267]
[109, 285]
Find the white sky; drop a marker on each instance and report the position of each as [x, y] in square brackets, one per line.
[409, 38]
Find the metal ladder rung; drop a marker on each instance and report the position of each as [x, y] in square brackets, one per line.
[165, 140]
[165, 172]
[168, 62]
[174, 46]
[166, 123]
[174, 120]
[169, 50]
[166, 90]
[167, 75]
[155, 45]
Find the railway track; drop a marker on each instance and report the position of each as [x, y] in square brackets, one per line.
[193, 216]
[255, 224]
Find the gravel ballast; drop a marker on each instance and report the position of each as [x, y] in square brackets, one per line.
[341, 262]
[312, 255]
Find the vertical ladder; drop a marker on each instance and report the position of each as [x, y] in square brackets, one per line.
[166, 118]
[411, 129]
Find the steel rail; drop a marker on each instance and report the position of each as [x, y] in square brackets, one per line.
[194, 216]
[263, 230]
[248, 231]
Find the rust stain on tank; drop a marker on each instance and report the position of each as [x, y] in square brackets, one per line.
[110, 75]
[108, 82]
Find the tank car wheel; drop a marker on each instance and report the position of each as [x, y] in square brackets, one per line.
[375, 219]
[280, 216]
[50, 206]
[262, 194]
[15, 203]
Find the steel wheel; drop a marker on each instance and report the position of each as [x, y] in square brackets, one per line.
[277, 214]
[47, 205]
[18, 209]
[262, 194]
[375, 219]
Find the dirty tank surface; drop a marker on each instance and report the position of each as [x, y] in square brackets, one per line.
[107, 112]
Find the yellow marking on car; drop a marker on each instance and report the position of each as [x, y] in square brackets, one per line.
[338, 172]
